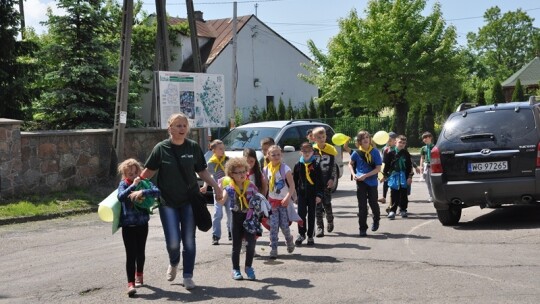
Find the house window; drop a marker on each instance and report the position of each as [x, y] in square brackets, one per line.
[269, 102]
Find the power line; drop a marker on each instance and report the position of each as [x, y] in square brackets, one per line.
[480, 17]
[220, 2]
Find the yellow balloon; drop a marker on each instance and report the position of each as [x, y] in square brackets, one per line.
[225, 181]
[381, 137]
[340, 139]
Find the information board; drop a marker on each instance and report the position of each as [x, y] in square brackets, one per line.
[201, 97]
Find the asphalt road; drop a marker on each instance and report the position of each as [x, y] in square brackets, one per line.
[493, 256]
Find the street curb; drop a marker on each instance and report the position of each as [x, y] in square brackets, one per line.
[25, 219]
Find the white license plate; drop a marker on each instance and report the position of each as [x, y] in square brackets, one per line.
[488, 166]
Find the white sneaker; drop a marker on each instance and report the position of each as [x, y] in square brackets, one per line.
[171, 272]
[189, 284]
[391, 215]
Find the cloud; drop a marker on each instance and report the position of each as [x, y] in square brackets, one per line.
[35, 11]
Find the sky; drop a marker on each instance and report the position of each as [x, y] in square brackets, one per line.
[301, 20]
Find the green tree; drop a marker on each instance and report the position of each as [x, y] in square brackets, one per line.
[321, 109]
[79, 82]
[290, 110]
[281, 113]
[518, 94]
[413, 126]
[271, 112]
[15, 65]
[312, 110]
[504, 44]
[463, 97]
[480, 98]
[393, 57]
[303, 112]
[497, 95]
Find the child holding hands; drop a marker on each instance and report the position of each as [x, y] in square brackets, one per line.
[134, 220]
[236, 197]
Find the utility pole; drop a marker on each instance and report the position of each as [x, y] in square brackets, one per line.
[23, 23]
[162, 37]
[197, 62]
[122, 90]
[234, 66]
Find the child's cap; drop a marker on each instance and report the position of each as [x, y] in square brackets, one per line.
[392, 134]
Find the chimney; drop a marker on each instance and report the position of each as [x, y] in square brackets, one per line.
[199, 16]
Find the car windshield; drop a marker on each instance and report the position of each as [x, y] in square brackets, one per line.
[504, 124]
[241, 138]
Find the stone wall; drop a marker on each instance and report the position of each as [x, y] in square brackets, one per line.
[46, 161]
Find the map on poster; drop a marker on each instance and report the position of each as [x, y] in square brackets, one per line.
[201, 97]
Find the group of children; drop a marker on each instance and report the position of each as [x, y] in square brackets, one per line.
[244, 181]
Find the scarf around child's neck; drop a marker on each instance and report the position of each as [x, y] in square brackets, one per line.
[306, 167]
[367, 153]
[400, 158]
[273, 170]
[218, 161]
[241, 193]
[328, 149]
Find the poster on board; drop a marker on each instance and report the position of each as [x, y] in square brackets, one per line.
[201, 97]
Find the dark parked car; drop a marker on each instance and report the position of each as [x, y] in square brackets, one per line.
[487, 156]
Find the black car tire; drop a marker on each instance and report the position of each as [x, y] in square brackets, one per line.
[449, 217]
[336, 182]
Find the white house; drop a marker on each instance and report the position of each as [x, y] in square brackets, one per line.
[268, 65]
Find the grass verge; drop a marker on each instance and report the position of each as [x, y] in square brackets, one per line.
[54, 203]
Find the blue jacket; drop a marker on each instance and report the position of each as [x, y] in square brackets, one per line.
[129, 215]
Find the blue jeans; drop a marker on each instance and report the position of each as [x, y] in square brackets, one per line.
[218, 215]
[179, 227]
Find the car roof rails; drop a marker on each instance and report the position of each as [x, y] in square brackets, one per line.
[465, 106]
[300, 120]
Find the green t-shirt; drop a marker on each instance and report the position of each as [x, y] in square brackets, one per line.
[174, 190]
[426, 152]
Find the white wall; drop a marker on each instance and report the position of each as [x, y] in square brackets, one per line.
[264, 55]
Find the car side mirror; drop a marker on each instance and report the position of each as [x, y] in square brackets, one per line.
[288, 149]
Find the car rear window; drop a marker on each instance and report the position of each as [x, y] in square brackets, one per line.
[503, 124]
[241, 138]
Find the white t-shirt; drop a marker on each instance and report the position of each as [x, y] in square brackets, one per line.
[280, 186]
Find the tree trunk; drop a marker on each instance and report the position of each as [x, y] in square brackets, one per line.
[400, 121]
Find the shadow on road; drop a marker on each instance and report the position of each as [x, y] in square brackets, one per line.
[205, 293]
[505, 218]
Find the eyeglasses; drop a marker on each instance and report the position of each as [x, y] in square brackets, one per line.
[239, 172]
[306, 151]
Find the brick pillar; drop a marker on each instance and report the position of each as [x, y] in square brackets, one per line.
[10, 156]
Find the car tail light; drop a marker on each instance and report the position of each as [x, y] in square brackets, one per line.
[538, 155]
[436, 166]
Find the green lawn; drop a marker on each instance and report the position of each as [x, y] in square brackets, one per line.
[60, 202]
